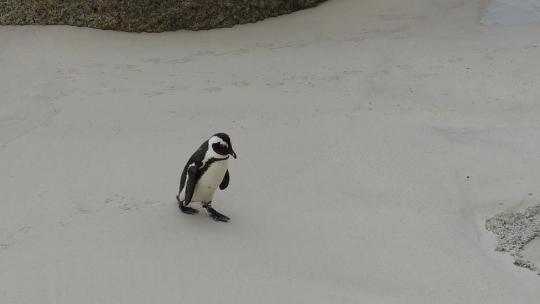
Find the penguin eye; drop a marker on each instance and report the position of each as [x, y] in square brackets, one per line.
[224, 145]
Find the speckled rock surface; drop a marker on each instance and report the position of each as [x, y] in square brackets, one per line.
[514, 231]
[146, 15]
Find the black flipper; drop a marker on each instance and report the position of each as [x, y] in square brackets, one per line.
[190, 183]
[225, 181]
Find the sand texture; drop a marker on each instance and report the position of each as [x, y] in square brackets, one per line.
[374, 140]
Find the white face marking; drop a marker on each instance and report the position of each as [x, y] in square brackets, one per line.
[211, 153]
[215, 139]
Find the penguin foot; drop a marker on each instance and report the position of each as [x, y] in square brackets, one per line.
[188, 210]
[216, 216]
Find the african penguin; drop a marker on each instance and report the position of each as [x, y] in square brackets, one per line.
[205, 170]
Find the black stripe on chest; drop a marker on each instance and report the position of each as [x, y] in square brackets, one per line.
[207, 165]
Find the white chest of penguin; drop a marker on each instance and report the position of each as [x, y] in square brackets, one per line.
[210, 181]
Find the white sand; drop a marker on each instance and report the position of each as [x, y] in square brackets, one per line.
[356, 125]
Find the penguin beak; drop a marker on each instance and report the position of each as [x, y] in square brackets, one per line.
[231, 152]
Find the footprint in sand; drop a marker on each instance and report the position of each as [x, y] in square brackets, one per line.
[212, 89]
[152, 60]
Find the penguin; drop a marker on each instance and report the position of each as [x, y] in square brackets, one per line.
[206, 170]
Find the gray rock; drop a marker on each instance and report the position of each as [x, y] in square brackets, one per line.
[514, 231]
[146, 15]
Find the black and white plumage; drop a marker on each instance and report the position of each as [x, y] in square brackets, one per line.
[205, 171]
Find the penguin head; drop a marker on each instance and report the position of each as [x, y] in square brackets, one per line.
[221, 144]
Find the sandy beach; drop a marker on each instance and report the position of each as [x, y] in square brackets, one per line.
[374, 139]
